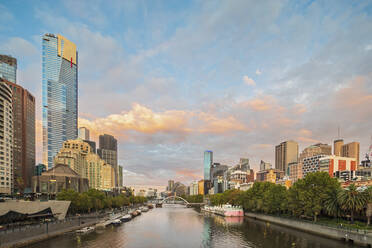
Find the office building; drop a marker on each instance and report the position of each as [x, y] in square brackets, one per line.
[121, 179]
[83, 133]
[92, 145]
[208, 161]
[8, 68]
[351, 150]
[311, 164]
[264, 165]
[170, 185]
[339, 167]
[78, 155]
[59, 94]
[269, 175]
[6, 139]
[23, 136]
[337, 147]
[285, 153]
[108, 151]
[194, 188]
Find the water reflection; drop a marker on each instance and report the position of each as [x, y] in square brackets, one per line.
[183, 227]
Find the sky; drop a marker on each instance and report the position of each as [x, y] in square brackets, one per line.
[171, 79]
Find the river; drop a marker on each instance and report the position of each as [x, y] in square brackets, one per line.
[176, 226]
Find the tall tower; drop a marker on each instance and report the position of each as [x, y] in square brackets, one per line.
[108, 151]
[8, 68]
[286, 153]
[208, 161]
[60, 94]
[337, 147]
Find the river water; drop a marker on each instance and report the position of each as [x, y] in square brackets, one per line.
[176, 226]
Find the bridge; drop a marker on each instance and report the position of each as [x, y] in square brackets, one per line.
[180, 200]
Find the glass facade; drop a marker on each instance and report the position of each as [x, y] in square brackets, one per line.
[59, 87]
[208, 160]
[8, 68]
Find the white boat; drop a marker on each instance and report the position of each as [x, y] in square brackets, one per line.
[116, 222]
[85, 230]
[225, 210]
[126, 218]
[144, 209]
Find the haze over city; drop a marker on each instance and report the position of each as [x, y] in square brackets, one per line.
[172, 79]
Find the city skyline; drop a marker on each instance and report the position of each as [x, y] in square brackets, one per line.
[167, 107]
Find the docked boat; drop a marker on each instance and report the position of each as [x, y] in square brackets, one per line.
[225, 210]
[150, 206]
[116, 222]
[134, 213]
[85, 230]
[126, 218]
[144, 209]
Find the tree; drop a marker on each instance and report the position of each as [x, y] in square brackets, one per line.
[352, 200]
[332, 204]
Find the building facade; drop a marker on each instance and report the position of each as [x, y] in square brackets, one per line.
[264, 165]
[83, 133]
[6, 140]
[351, 150]
[8, 68]
[269, 175]
[170, 185]
[23, 136]
[337, 147]
[194, 188]
[108, 151]
[311, 164]
[285, 153]
[339, 167]
[208, 161]
[121, 176]
[59, 94]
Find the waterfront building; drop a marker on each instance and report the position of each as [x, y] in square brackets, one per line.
[194, 188]
[83, 133]
[78, 155]
[59, 94]
[6, 139]
[8, 68]
[108, 151]
[285, 153]
[121, 178]
[308, 152]
[339, 167]
[264, 165]
[23, 136]
[170, 185]
[60, 177]
[351, 150]
[269, 175]
[208, 161]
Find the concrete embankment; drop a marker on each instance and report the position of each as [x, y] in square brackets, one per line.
[360, 237]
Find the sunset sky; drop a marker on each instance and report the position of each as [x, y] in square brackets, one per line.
[170, 79]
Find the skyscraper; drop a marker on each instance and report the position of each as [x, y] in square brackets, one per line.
[6, 139]
[208, 161]
[60, 90]
[8, 68]
[285, 153]
[83, 133]
[351, 150]
[337, 147]
[108, 151]
[23, 136]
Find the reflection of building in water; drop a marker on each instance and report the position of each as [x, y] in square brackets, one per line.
[206, 233]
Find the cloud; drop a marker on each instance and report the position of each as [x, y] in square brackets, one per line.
[249, 81]
[258, 72]
[18, 47]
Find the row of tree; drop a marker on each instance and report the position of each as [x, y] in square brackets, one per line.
[315, 195]
[94, 200]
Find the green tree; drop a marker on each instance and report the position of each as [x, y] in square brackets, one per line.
[352, 200]
[332, 204]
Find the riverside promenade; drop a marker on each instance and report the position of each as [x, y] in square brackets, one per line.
[25, 235]
[359, 237]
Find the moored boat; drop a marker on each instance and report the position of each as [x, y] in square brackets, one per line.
[85, 230]
[225, 210]
[126, 218]
[116, 222]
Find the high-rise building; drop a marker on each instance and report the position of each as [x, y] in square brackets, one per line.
[170, 185]
[285, 153]
[337, 147]
[339, 167]
[351, 150]
[8, 68]
[83, 133]
[23, 136]
[6, 139]
[310, 152]
[92, 145]
[208, 161]
[108, 151]
[265, 165]
[121, 178]
[60, 94]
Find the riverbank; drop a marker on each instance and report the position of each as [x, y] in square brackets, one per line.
[363, 238]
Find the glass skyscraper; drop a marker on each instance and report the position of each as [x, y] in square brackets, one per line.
[8, 68]
[60, 91]
[208, 161]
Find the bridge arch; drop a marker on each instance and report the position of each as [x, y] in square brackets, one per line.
[174, 197]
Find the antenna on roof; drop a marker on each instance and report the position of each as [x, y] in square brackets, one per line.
[338, 132]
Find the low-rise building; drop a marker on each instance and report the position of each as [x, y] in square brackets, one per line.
[270, 175]
[58, 178]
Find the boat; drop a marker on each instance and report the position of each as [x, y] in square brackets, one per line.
[134, 213]
[225, 210]
[126, 218]
[144, 209]
[85, 230]
[150, 206]
[116, 222]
